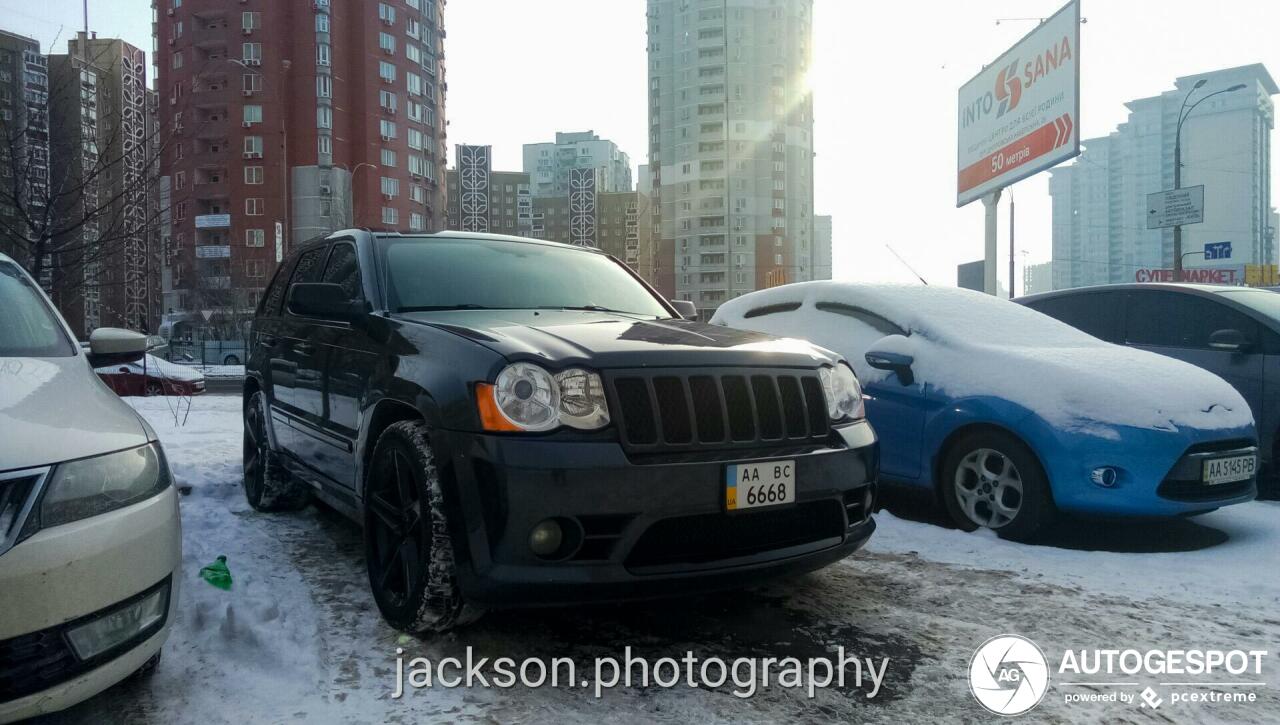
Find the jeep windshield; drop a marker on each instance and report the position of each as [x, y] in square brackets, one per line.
[482, 274]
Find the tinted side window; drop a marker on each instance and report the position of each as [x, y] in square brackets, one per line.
[344, 269]
[1093, 313]
[274, 297]
[1172, 319]
[307, 267]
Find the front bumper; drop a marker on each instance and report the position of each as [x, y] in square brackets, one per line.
[650, 529]
[73, 573]
[1159, 473]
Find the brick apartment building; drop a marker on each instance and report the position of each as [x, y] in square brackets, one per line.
[288, 119]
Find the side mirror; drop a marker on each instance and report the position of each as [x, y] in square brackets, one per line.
[112, 346]
[686, 308]
[896, 362]
[325, 300]
[1229, 341]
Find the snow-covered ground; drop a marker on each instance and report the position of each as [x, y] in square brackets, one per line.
[298, 637]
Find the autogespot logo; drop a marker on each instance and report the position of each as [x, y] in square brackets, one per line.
[1008, 675]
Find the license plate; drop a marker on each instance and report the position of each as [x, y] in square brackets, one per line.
[752, 485]
[1229, 470]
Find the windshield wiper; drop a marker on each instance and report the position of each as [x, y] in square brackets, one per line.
[440, 308]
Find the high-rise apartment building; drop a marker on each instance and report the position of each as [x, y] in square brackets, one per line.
[549, 164]
[77, 177]
[620, 221]
[104, 130]
[730, 145]
[484, 200]
[1037, 278]
[287, 119]
[24, 144]
[822, 238]
[1100, 208]
[500, 202]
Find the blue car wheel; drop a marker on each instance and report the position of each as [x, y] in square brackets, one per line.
[990, 479]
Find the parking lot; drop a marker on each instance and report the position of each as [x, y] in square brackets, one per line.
[298, 636]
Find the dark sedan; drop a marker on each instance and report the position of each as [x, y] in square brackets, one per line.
[1231, 331]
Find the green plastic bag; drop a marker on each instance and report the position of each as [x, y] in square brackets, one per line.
[218, 574]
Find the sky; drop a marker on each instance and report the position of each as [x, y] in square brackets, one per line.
[885, 82]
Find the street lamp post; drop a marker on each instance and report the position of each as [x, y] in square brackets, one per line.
[1183, 114]
[1184, 255]
[353, 173]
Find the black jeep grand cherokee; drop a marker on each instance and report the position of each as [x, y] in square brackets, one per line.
[517, 422]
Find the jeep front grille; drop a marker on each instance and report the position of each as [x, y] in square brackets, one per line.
[659, 410]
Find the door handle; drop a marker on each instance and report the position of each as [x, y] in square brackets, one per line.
[304, 348]
[267, 340]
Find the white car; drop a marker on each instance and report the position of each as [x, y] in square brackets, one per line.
[90, 539]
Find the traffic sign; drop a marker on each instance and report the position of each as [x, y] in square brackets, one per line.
[1175, 207]
[1217, 250]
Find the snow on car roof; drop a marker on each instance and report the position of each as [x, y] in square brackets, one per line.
[158, 367]
[935, 312]
[967, 344]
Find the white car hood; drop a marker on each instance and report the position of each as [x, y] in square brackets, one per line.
[56, 409]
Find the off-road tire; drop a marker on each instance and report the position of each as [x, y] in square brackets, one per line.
[408, 547]
[268, 486]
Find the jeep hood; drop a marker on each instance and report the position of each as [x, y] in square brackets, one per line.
[605, 340]
[56, 409]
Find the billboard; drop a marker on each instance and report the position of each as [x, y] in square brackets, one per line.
[1019, 115]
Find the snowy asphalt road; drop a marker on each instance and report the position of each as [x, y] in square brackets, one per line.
[298, 638]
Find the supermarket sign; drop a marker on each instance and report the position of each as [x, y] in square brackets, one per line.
[1200, 275]
[1020, 115]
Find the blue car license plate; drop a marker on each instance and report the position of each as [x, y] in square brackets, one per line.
[1229, 470]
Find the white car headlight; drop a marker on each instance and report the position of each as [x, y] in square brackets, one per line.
[531, 399]
[844, 395]
[92, 486]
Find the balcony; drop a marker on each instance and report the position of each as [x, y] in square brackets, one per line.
[213, 221]
[218, 282]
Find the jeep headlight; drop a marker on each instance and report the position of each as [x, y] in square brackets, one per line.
[582, 403]
[525, 397]
[844, 395]
[92, 486]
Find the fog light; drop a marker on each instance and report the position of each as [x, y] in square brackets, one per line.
[546, 538]
[118, 627]
[1106, 476]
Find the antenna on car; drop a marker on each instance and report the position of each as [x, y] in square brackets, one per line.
[904, 263]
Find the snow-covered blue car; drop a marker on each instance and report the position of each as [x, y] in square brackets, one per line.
[1010, 416]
